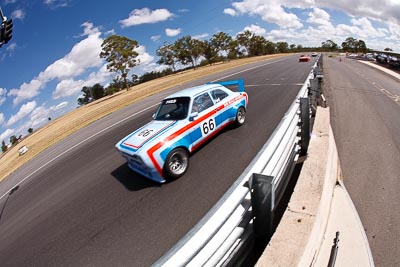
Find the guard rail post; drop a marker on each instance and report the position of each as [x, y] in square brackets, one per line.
[304, 125]
[314, 95]
[261, 190]
[320, 78]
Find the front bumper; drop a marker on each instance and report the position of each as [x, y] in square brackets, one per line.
[136, 164]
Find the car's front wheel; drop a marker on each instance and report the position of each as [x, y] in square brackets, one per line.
[240, 116]
[176, 163]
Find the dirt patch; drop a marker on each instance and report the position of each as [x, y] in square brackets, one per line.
[69, 123]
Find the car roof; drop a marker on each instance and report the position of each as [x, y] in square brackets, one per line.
[192, 91]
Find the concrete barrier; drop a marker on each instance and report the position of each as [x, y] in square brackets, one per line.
[300, 233]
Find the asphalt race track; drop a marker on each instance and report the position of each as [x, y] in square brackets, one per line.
[78, 204]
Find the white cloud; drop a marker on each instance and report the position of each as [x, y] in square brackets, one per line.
[230, 11]
[11, 47]
[56, 3]
[153, 67]
[383, 10]
[83, 56]
[38, 116]
[89, 29]
[360, 29]
[18, 14]
[200, 36]
[172, 32]
[22, 113]
[394, 31]
[145, 16]
[183, 10]
[320, 17]
[70, 87]
[59, 106]
[155, 38]
[271, 11]
[3, 96]
[26, 91]
[5, 136]
[257, 30]
[363, 14]
[1, 118]
[41, 114]
[144, 57]
[364, 18]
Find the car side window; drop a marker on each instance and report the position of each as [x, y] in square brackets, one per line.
[218, 95]
[202, 102]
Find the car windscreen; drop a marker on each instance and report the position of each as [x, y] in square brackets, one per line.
[173, 109]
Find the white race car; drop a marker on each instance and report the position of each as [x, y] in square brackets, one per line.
[182, 123]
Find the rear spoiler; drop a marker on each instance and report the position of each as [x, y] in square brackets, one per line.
[239, 83]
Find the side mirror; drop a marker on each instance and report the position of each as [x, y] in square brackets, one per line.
[193, 116]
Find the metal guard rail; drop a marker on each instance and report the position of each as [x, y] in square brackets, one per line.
[225, 229]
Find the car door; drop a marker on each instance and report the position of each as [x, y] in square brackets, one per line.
[203, 115]
[221, 97]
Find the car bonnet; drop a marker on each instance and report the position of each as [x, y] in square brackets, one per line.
[149, 133]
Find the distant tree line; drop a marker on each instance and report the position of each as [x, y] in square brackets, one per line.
[189, 53]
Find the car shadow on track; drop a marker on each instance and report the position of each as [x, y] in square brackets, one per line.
[132, 180]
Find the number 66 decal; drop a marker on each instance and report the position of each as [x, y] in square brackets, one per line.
[208, 126]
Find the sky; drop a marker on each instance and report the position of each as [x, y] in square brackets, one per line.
[55, 47]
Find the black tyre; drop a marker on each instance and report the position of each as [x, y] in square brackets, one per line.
[240, 116]
[176, 163]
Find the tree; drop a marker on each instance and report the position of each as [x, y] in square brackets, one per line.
[258, 46]
[167, 54]
[282, 47]
[188, 50]
[221, 41]
[86, 96]
[209, 52]
[97, 91]
[299, 47]
[13, 139]
[30, 130]
[91, 93]
[388, 49]
[361, 46]
[270, 47]
[349, 45]
[244, 40]
[234, 50]
[120, 54]
[329, 45]
[3, 147]
[134, 79]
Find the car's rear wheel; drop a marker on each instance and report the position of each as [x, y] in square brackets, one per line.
[176, 163]
[240, 116]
